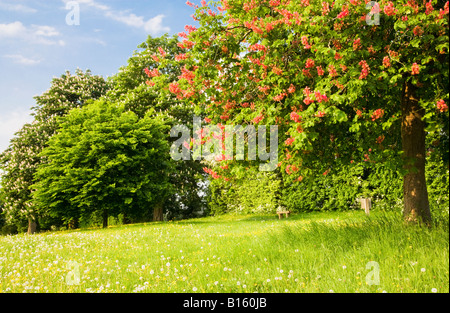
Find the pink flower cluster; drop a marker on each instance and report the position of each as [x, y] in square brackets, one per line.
[344, 12]
[389, 9]
[365, 69]
[377, 114]
[295, 117]
[415, 69]
[386, 61]
[289, 141]
[305, 42]
[442, 106]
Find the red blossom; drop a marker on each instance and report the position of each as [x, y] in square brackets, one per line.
[186, 74]
[306, 73]
[295, 117]
[305, 43]
[309, 63]
[378, 113]
[190, 28]
[257, 47]
[365, 69]
[442, 106]
[380, 139]
[174, 88]
[343, 13]
[289, 141]
[320, 71]
[291, 88]
[444, 11]
[357, 44]
[415, 69]
[280, 96]
[277, 70]
[429, 7]
[386, 61]
[258, 119]
[181, 56]
[320, 114]
[389, 9]
[325, 8]
[308, 100]
[153, 73]
[332, 70]
[162, 52]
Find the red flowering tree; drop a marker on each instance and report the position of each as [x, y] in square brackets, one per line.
[345, 81]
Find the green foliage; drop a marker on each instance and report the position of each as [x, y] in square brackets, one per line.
[438, 188]
[131, 91]
[253, 192]
[340, 190]
[104, 159]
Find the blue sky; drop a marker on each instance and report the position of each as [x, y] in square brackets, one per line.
[37, 43]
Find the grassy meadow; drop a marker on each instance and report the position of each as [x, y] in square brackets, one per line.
[310, 252]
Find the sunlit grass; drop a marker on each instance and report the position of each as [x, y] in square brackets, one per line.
[317, 252]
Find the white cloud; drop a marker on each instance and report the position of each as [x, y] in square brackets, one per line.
[46, 31]
[130, 19]
[20, 59]
[16, 8]
[153, 26]
[37, 34]
[15, 29]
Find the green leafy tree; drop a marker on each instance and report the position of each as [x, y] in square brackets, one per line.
[21, 159]
[130, 89]
[106, 161]
[343, 87]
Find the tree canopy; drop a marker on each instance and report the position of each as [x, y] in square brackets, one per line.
[342, 88]
[104, 160]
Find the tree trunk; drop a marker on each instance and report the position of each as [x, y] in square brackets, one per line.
[105, 218]
[31, 226]
[158, 212]
[415, 194]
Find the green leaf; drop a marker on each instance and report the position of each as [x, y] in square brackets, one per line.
[340, 116]
[415, 43]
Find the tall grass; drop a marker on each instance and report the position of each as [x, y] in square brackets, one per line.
[317, 252]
